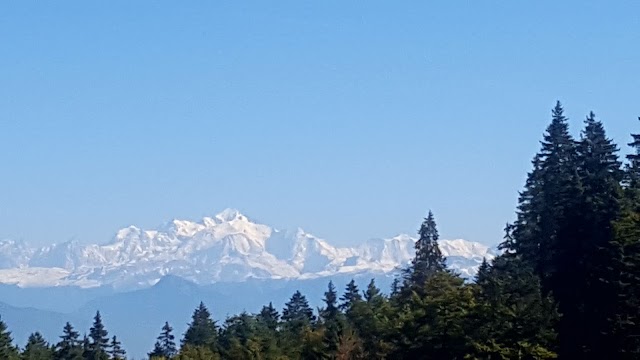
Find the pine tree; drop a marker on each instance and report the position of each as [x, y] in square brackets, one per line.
[512, 318]
[332, 321]
[600, 175]
[548, 231]
[69, 347]
[435, 326]
[269, 317]
[116, 351]
[239, 337]
[99, 339]
[157, 352]
[428, 258]
[86, 348]
[483, 272]
[7, 349]
[372, 294]
[165, 345]
[297, 312]
[351, 296]
[297, 320]
[202, 331]
[371, 319]
[37, 348]
[633, 167]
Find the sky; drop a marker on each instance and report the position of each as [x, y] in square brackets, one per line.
[349, 119]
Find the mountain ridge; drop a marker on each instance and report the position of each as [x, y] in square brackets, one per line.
[225, 247]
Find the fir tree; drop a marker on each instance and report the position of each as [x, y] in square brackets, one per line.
[371, 319]
[7, 349]
[297, 320]
[37, 348]
[600, 175]
[435, 326]
[330, 315]
[269, 317]
[548, 231]
[511, 318]
[297, 312]
[166, 345]
[115, 349]
[99, 339]
[428, 258]
[69, 346]
[633, 167]
[483, 272]
[351, 296]
[157, 352]
[202, 331]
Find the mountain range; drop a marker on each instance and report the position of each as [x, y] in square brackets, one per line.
[227, 247]
[232, 263]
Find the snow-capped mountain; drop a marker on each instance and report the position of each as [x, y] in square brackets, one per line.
[227, 247]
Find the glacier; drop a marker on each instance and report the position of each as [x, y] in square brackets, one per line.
[227, 247]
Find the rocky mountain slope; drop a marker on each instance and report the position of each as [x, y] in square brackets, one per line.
[226, 247]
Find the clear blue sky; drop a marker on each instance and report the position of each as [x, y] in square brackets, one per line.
[349, 119]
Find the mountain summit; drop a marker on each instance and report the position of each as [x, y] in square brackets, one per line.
[227, 247]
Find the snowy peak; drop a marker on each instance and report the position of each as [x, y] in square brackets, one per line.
[225, 247]
[228, 215]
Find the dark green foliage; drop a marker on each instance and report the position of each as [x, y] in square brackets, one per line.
[99, 341]
[165, 345]
[483, 272]
[549, 233]
[297, 313]
[435, 324]
[7, 349]
[202, 330]
[511, 315]
[269, 317]
[69, 347]
[332, 321]
[428, 259]
[116, 352]
[372, 320]
[37, 348]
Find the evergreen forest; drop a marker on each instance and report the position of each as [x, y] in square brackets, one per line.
[565, 285]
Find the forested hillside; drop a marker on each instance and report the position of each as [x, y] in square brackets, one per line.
[567, 285]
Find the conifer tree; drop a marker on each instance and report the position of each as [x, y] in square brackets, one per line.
[297, 320]
[157, 352]
[512, 318]
[202, 331]
[428, 258]
[37, 348]
[548, 232]
[435, 326]
[297, 312]
[483, 272]
[239, 338]
[116, 352]
[371, 320]
[99, 339]
[269, 317]
[372, 294]
[332, 322]
[350, 297]
[69, 347]
[600, 175]
[165, 345]
[7, 349]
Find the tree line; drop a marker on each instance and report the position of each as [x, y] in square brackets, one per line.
[566, 285]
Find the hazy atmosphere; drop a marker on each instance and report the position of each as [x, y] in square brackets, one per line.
[319, 180]
[346, 120]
